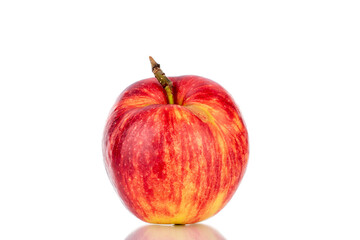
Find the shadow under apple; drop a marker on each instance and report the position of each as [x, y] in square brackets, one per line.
[175, 232]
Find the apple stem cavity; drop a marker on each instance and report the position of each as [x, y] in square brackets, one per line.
[163, 80]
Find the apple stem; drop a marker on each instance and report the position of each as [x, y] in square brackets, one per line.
[163, 80]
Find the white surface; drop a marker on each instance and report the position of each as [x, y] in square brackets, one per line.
[293, 67]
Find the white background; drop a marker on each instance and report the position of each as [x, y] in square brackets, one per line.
[293, 67]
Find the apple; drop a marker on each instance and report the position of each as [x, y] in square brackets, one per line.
[175, 148]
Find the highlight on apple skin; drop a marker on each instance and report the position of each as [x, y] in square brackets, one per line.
[175, 151]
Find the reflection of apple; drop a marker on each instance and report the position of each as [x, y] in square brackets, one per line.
[177, 232]
[175, 155]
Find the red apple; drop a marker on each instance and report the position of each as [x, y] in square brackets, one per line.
[175, 151]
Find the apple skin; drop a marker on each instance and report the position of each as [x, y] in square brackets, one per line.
[175, 163]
